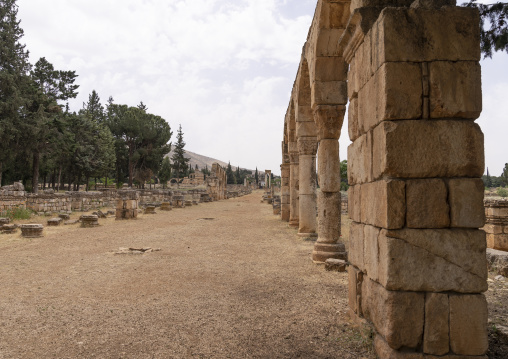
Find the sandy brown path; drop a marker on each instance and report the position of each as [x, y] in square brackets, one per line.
[239, 286]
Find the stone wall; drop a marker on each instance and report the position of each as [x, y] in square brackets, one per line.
[496, 212]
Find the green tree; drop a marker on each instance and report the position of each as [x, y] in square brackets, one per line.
[504, 175]
[256, 176]
[487, 181]
[495, 37]
[165, 171]
[14, 71]
[230, 176]
[180, 162]
[343, 176]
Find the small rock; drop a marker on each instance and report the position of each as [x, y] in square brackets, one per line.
[499, 277]
[335, 265]
[73, 221]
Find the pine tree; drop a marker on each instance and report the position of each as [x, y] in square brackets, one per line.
[238, 176]
[504, 175]
[488, 180]
[14, 71]
[256, 177]
[179, 160]
[165, 172]
[230, 176]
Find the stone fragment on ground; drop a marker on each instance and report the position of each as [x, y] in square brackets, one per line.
[335, 265]
[124, 250]
[497, 261]
[72, 221]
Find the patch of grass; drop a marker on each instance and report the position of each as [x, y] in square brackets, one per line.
[17, 213]
[503, 192]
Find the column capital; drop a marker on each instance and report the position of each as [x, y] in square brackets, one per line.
[307, 145]
[329, 120]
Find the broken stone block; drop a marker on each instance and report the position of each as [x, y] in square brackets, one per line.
[415, 260]
[31, 230]
[4, 221]
[427, 206]
[468, 324]
[89, 221]
[9, 228]
[356, 242]
[64, 216]
[335, 265]
[360, 160]
[55, 221]
[71, 222]
[150, 209]
[383, 350]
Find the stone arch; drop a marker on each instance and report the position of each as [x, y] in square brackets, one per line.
[413, 70]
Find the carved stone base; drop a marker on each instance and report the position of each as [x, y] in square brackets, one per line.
[323, 251]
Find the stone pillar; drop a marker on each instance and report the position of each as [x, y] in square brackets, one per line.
[307, 147]
[329, 122]
[294, 184]
[285, 195]
[496, 228]
[417, 258]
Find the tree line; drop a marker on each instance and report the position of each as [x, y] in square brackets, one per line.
[40, 138]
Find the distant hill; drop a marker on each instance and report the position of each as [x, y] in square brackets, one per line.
[203, 161]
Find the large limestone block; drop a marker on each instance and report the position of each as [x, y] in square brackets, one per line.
[329, 165]
[466, 202]
[354, 203]
[356, 241]
[352, 116]
[383, 203]
[427, 205]
[436, 338]
[427, 149]
[455, 89]
[307, 128]
[352, 275]
[493, 229]
[393, 93]
[468, 324]
[497, 241]
[397, 316]
[330, 69]
[433, 260]
[329, 93]
[417, 35]
[326, 44]
[359, 155]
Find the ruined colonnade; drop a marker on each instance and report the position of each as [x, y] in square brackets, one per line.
[409, 73]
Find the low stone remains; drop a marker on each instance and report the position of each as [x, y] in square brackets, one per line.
[149, 209]
[497, 261]
[64, 216]
[276, 205]
[9, 228]
[216, 182]
[496, 227]
[54, 222]
[166, 206]
[134, 251]
[32, 230]
[127, 205]
[4, 221]
[335, 265]
[89, 221]
[178, 201]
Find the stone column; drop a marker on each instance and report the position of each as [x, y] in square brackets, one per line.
[294, 184]
[329, 122]
[307, 147]
[417, 258]
[285, 195]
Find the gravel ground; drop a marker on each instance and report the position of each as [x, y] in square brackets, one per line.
[230, 281]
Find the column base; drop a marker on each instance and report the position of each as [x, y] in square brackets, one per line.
[294, 223]
[308, 235]
[323, 251]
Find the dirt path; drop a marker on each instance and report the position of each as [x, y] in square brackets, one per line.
[240, 285]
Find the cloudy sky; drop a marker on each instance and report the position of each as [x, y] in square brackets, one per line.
[222, 69]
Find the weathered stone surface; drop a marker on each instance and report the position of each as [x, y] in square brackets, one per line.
[468, 324]
[466, 202]
[89, 221]
[383, 350]
[356, 241]
[323, 251]
[427, 205]
[32, 230]
[329, 165]
[352, 279]
[330, 69]
[360, 160]
[397, 316]
[455, 89]
[54, 221]
[371, 251]
[329, 211]
[335, 265]
[433, 260]
[400, 29]
[393, 93]
[497, 261]
[383, 204]
[354, 203]
[329, 93]
[436, 336]
[497, 241]
[409, 149]
[352, 116]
